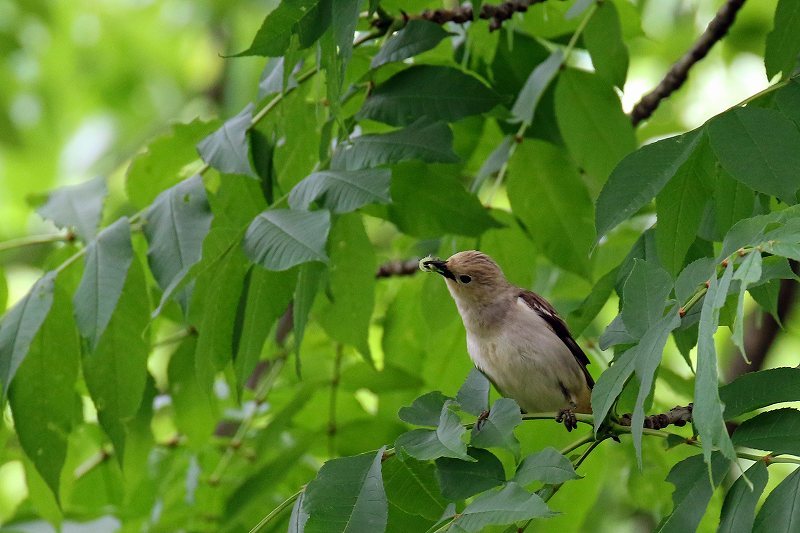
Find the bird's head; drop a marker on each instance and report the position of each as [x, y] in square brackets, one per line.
[470, 275]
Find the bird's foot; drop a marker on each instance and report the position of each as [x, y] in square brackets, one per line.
[568, 418]
[481, 419]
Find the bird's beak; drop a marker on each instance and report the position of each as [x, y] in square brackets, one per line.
[438, 266]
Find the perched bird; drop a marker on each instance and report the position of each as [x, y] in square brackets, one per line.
[516, 338]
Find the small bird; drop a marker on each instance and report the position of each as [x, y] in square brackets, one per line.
[516, 338]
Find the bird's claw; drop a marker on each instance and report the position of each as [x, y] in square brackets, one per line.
[481, 419]
[568, 418]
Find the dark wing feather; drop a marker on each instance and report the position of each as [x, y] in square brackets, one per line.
[546, 311]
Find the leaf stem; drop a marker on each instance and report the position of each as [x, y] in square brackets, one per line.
[275, 512]
[33, 240]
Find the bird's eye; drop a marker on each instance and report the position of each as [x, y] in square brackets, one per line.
[464, 279]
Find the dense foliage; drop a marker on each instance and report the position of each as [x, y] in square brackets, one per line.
[220, 352]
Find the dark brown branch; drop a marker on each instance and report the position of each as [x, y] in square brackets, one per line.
[678, 416]
[496, 14]
[677, 75]
[408, 267]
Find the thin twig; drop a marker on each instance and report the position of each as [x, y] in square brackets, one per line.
[408, 267]
[496, 14]
[32, 240]
[677, 75]
[275, 512]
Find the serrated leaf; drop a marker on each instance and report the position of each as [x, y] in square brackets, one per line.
[775, 431]
[748, 273]
[547, 466]
[42, 395]
[615, 334]
[510, 504]
[196, 411]
[605, 44]
[498, 429]
[760, 148]
[105, 268]
[418, 36]
[755, 390]
[228, 149]
[425, 410]
[707, 411]
[411, 486]
[580, 318]
[272, 77]
[116, 370]
[589, 114]
[343, 191]
[347, 312]
[305, 19]
[175, 226]
[309, 278]
[548, 195]
[610, 384]
[781, 509]
[733, 201]
[435, 92]
[524, 107]
[739, 508]
[693, 491]
[473, 395]
[430, 142]
[159, 166]
[279, 239]
[347, 495]
[444, 441]
[461, 479]
[644, 296]
[21, 324]
[783, 42]
[640, 176]
[77, 206]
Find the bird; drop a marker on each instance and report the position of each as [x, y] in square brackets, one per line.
[516, 338]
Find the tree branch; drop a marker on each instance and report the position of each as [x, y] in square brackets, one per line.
[408, 267]
[678, 416]
[677, 75]
[496, 14]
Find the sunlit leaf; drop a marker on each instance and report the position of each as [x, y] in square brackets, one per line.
[605, 44]
[540, 78]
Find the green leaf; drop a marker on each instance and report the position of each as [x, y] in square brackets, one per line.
[425, 410]
[583, 315]
[589, 114]
[411, 486]
[650, 350]
[547, 466]
[739, 509]
[418, 36]
[444, 441]
[425, 204]
[473, 395]
[347, 312]
[640, 176]
[347, 495]
[105, 268]
[435, 92]
[498, 429]
[781, 510]
[755, 390]
[42, 395]
[3, 289]
[161, 164]
[749, 272]
[461, 479]
[787, 100]
[510, 504]
[305, 19]
[775, 431]
[610, 384]
[783, 42]
[540, 78]
[265, 297]
[605, 44]
[116, 370]
[309, 279]
[548, 195]
[21, 324]
[175, 226]
[279, 239]
[707, 412]
[431, 142]
[196, 411]
[228, 149]
[760, 148]
[679, 207]
[644, 297]
[342, 191]
[78, 206]
[693, 491]
[733, 201]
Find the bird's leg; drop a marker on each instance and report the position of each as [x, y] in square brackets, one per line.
[481, 419]
[567, 416]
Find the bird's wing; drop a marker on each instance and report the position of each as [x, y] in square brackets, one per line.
[543, 308]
